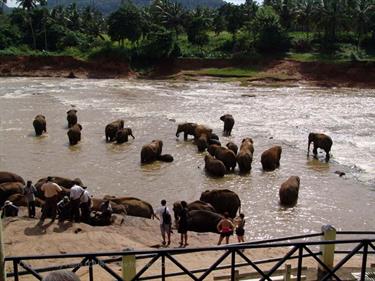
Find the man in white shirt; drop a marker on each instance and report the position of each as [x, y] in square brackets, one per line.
[51, 192]
[76, 192]
[162, 213]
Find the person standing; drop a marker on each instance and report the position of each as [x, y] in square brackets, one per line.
[51, 192]
[76, 192]
[163, 214]
[182, 224]
[85, 206]
[225, 228]
[240, 227]
[29, 192]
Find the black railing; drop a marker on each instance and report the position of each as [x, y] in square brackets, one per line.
[298, 250]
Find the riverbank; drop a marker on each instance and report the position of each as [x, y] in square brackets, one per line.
[271, 72]
[23, 236]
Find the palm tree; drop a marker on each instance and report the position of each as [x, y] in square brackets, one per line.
[3, 2]
[28, 5]
[169, 14]
[304, 12]
[331, 14]
[362, 12]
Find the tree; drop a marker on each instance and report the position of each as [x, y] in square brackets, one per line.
[197, 26]
[304, 12]
[3, 2]
[169, 14]
[125, 23]
[267, 31]
[233, 17]
[28, 5]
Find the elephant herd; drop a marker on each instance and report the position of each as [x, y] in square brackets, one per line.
[114, 131]
[204, 214]
[221, 160]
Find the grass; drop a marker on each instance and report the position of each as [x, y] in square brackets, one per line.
[229, 72]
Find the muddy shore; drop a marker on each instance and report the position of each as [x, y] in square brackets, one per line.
[275, 72]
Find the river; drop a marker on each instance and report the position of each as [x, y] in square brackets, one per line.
[271, 116]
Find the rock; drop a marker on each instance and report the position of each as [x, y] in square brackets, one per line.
[340, 173]
[71, 75]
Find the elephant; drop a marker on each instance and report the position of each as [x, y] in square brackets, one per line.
[228, 124]
[165, 158]
[9, 188]
[19, 199]
[187, 128]
[10, 177]
[40, 125]
[223, 154]
[71, 117]
[232, 146]
[320, 141]
[202, 135]
[122, 135]
[64, 183]
[116, 208]
[223, 200]
[245, 156]
[196, 205]
[288, 191]
[214, 136]
[214, 141]
[133, 206]
[150, 152]
[203, 221]
[214, 166]
[112, 128]
[74, 134]
[270, 158]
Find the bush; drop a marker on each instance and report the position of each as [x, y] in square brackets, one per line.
[160, 44]
[9, 34]
[111, 52]
[301, 45]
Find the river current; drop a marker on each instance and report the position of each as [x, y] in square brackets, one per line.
[271, 116]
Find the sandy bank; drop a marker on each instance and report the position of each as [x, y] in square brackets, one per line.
[23, 236]
[272, 72]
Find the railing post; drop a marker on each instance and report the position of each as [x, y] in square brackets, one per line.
[91, 272]
[128, 266]
[233, 276]
[328, 250]
[2, 254]
[162, 267]
[288, 272]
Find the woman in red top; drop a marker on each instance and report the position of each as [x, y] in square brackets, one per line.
[225, 228]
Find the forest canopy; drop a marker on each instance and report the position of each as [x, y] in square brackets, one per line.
[302, 29]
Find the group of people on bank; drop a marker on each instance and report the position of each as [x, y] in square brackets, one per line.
[226, 226]
[75, 208]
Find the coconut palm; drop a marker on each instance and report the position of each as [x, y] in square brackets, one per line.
[169, 14]
[28, 5]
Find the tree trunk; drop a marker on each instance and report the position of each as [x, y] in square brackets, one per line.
[32, 32]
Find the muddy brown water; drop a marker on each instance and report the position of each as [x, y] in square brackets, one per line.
[271, 116]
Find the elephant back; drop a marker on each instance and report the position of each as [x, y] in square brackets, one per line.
[223, 200]
[63, 182]
[203, 221]
[9, 188]
[10, 177]
[201, 205]
[288, 192]
[133, 206]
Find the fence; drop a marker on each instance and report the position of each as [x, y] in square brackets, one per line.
[298, 250]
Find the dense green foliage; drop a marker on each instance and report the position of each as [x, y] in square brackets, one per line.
[166, 29]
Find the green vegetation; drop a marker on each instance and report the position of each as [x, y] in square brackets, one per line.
[305, 30]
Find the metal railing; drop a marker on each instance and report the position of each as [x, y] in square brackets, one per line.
[297, 250]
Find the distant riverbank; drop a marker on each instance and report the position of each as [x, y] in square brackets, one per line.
[271, 72]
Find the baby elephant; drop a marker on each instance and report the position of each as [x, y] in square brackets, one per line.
[288, 192]
[245, 156]
[71, 117]
[228, 123]
[112, 128]
[40, 125]
[270, 158]
[321, 141]
[74, 134]
[214, 167]
[122, 135]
